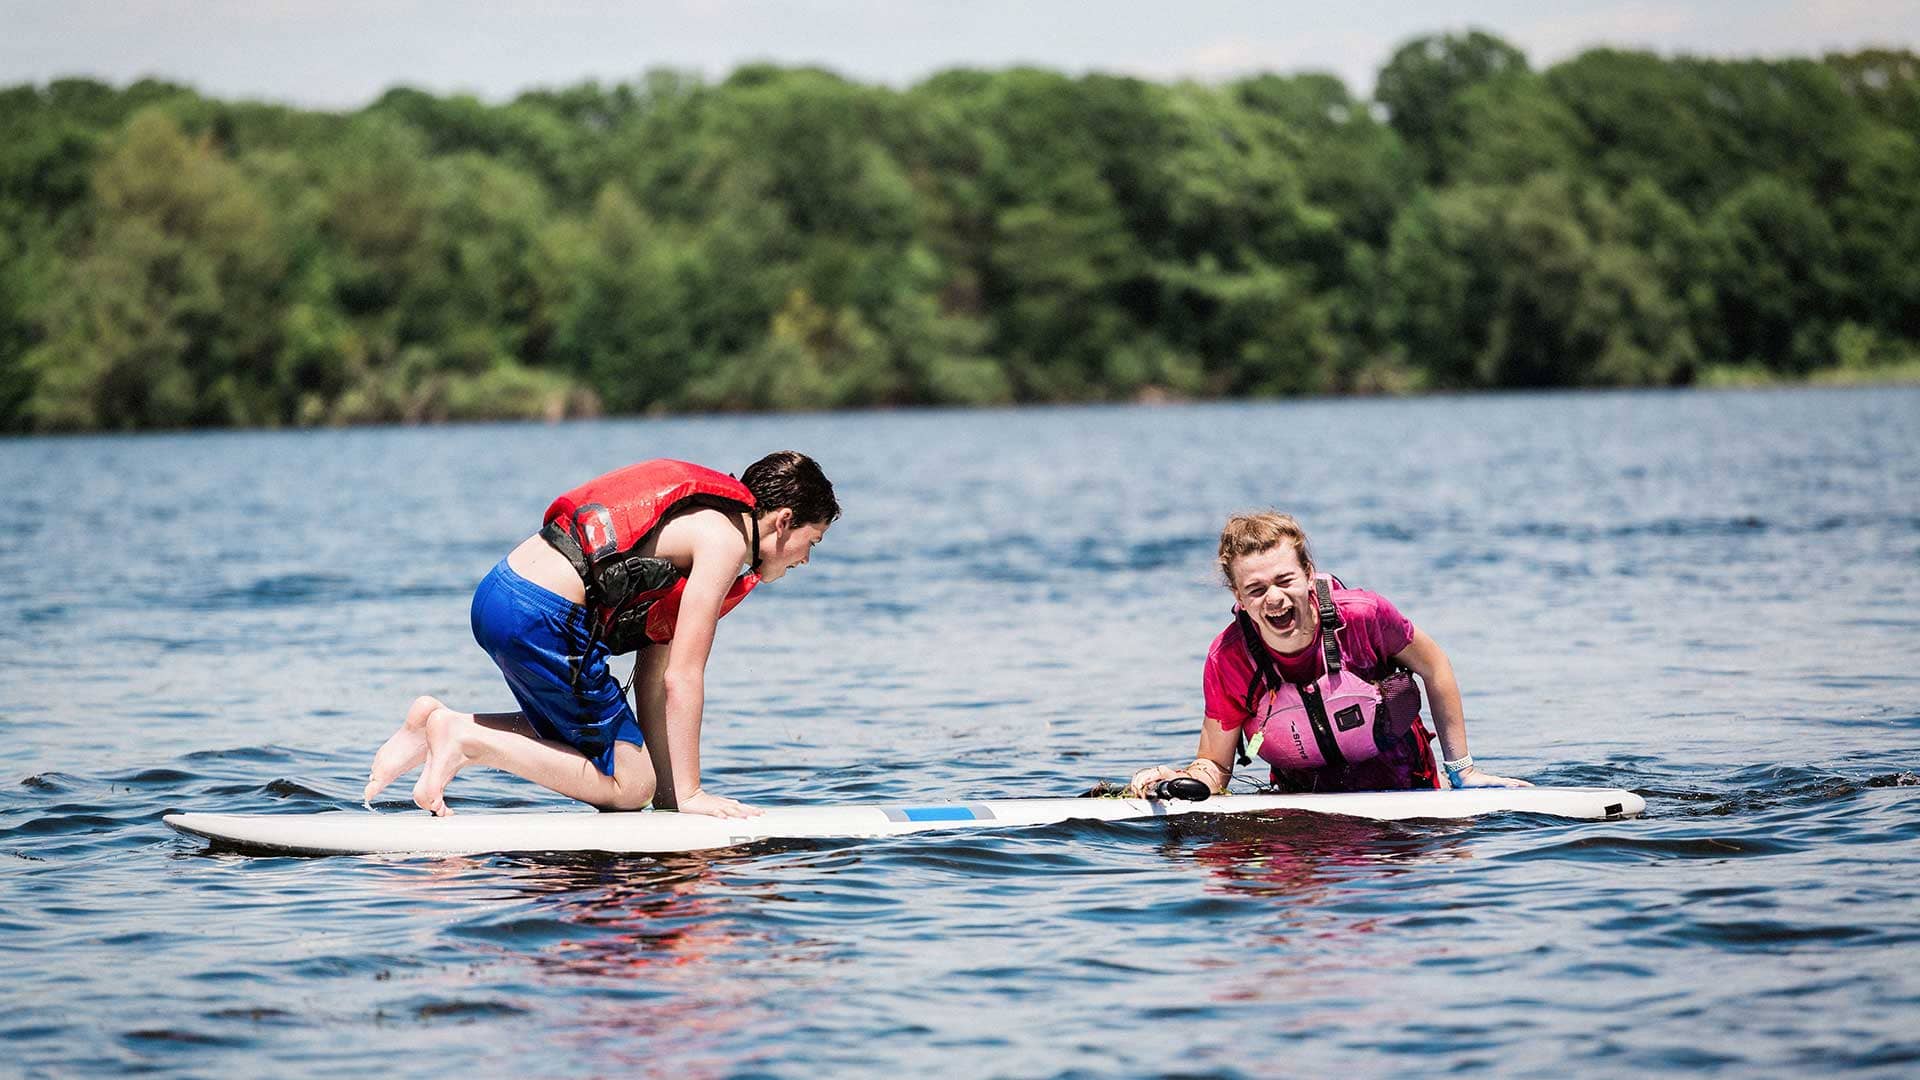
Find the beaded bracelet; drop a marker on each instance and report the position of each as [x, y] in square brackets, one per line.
[1199, 761]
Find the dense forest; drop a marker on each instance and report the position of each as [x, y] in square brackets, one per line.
[787, 238]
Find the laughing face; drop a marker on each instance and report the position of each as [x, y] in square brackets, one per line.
[1277, 593]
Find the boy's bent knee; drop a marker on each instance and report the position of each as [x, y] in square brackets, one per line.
[628, 798]
[633, 780]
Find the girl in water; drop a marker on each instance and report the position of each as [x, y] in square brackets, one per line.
[1317, 680]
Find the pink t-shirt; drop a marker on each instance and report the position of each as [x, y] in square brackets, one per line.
[1375, 632]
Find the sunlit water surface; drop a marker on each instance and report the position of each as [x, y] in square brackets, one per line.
[1707, 598]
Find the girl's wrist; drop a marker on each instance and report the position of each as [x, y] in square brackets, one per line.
[1210, 767]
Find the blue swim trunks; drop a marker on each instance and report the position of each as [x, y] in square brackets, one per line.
[530, 633]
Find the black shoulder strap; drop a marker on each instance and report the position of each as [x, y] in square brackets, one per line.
[1264, 673]
[1330, 621]
[561, 539]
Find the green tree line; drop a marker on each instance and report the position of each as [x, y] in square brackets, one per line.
[787, 238]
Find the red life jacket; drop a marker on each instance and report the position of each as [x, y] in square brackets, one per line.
[634, 599]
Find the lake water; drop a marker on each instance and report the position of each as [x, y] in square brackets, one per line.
[1710, 598]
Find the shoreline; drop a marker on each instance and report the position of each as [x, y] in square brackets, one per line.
[1725, 380]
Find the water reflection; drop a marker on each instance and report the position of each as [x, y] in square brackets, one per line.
[1309, 858]
[1334, 907]
[598, 917]
[650, 955]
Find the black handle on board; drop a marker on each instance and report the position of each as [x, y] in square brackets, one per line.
[1184, 788]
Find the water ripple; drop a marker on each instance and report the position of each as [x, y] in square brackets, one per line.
[1017, 603]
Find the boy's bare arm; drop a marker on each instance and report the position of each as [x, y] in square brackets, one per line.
[717, 550]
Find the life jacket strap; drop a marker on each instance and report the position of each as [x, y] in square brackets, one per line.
[560, 540]
[1330, 621]
[1264, 674]
[1323, 735]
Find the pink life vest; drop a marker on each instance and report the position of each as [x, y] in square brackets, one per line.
[1332, 720]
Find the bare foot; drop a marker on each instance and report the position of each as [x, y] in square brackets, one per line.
[445, 759]
[404, 750]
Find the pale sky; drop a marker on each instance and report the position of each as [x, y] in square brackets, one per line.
[344, 53]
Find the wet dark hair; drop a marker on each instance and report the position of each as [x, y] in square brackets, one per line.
[792, 480]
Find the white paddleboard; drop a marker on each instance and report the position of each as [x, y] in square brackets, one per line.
[352, 832]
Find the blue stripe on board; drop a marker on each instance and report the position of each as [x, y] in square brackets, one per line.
[939, 813]
[976, 812]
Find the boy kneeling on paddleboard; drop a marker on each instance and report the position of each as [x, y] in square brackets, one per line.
[647, 559]
[1317, 680]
